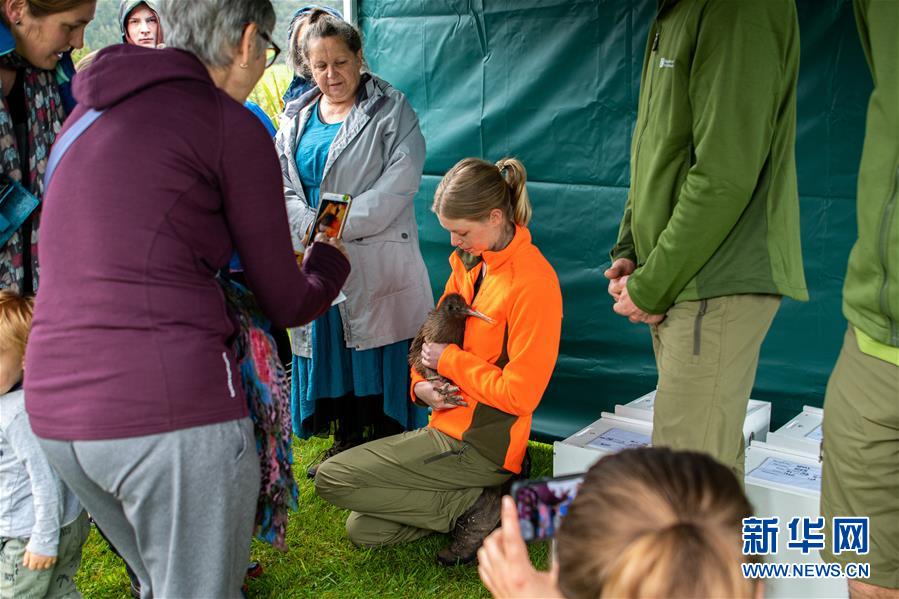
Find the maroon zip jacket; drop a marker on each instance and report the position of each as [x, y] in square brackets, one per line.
[130, 328]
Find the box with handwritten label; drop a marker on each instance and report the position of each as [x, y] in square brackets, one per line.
[784, 487]
[610, 434]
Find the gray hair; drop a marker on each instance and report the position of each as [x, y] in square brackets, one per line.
[212, 29]
[321, 25]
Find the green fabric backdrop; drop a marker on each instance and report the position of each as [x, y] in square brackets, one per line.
[555, 83]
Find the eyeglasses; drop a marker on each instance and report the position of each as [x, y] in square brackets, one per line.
[271, 51]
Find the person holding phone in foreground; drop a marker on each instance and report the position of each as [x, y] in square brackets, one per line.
[647, 522]
[446, 477]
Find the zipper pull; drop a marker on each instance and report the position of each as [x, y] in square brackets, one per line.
[655, 41]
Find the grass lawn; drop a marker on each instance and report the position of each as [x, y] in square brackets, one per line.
[320, 561]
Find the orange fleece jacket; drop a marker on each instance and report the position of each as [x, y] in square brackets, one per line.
[502, 369]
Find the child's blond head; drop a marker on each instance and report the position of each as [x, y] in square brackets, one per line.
[15, 321]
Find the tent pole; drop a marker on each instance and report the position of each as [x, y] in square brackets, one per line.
[350, 13]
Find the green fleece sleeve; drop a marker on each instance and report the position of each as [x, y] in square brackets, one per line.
[736, 88]
[624, 247]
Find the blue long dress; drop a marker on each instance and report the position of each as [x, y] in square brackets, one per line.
[335, 371]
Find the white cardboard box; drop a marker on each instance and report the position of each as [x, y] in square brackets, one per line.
[801, 434]
[610, 434]
[782, 474]
[787, 484]
[756, 425]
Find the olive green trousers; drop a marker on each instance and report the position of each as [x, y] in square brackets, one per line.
[404, 487]
[860, 475]
[707, 353]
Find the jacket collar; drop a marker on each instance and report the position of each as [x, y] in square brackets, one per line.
[496, 260]
[370, 97]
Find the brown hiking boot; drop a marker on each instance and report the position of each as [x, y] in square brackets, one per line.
[326, 455]
[471, 529]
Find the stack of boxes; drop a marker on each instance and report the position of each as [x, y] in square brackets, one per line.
[783, 480]
[783, 474]
[631, 426]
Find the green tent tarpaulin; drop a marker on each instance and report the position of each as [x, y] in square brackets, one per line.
[555, 83]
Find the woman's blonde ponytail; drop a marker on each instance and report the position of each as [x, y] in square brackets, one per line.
[516, 176]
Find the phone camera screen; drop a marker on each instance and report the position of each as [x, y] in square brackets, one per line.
[542, 504]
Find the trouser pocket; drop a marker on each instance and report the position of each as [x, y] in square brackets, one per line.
[445, 454]
[691, 334]
[697, 326]
[242, 442]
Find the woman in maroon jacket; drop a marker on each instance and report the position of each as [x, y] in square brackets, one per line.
[131, 383]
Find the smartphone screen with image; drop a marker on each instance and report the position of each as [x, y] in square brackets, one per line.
[331, 215]
[330, 218]
[542, 503]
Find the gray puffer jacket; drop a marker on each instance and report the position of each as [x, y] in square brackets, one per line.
[377, 157]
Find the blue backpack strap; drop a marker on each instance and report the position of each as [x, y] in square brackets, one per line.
[64, 142]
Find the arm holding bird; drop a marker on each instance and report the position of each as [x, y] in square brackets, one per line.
[534, 328]
[444, 325]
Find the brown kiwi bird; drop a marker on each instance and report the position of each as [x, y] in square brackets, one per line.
[444, 324]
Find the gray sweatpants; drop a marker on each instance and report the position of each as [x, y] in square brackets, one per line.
[178, 506]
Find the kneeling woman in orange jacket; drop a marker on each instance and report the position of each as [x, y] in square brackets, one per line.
[447, 476]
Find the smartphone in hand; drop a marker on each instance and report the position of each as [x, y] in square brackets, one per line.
[330, 218]
[542, 503]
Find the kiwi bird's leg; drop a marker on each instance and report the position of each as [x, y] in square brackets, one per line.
[440, 383]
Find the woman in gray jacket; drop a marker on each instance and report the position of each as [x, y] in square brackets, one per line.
[355, 134]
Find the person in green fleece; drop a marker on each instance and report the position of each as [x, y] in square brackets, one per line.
[709, 241]
[861, 408]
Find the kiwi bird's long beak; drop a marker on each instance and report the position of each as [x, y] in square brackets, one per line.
[480, 315]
